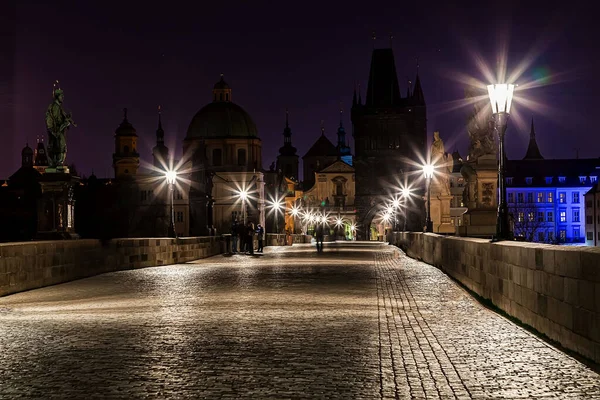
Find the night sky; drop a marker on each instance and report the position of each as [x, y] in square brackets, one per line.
[305, 56]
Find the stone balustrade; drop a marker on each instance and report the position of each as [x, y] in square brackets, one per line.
[30, 265]
[554, 289]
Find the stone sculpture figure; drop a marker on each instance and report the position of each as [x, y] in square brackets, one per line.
[480, 132]
[57, 124]
[440, 158]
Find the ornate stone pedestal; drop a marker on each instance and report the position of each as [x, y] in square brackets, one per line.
[56, 207]
[481, 191]
[440, 213]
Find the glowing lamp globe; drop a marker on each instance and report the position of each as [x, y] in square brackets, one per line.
[171, 177]
[428, 170]
[501, 97]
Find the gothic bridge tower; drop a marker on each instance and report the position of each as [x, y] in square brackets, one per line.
[389, 132]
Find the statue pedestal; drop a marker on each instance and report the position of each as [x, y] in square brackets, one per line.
[56, 207]
[482, 197]
[440, 207]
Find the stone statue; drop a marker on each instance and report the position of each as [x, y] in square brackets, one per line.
[442, 160]
[57, 125]
[480, 132]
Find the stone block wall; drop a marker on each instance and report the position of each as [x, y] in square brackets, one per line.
[30, 265]
[554, 289]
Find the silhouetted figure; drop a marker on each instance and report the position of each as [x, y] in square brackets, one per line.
[241, 231]
[319, 236]
[234, 236]
[249, 236]
[260, 234]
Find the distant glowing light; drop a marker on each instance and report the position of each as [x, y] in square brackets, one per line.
[501, 97]
[243, 194]
[395, 203]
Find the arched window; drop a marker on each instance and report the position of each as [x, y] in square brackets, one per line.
[217, 157]
[126, 149]
[339, 188]
[220, 96]
[226, 96]
[241, 157]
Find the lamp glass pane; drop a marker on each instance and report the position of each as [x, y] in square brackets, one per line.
[511, 89]
[492, 95]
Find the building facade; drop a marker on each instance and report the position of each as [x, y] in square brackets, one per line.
[546, 197]
[592, 216]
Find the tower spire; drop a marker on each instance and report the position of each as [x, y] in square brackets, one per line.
[354, 96]
[160, 133]
[374, 38]
[533, 151]
[287, 120]
[322, 127]
[359, 96]
[341, 115]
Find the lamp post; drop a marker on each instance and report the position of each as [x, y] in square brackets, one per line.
[501, 100]
[276, 209]
[428, 172]
[243, 197]
[404, 193]
[171, 177]
[395, 207]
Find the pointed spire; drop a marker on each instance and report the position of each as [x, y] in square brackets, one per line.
[408, 87]
[417, 95]
[322, 127]
[374, 38]
[391, 40]
[533, 151]
[354, 96]
[287, 118]
[124, 114]
[160, 133]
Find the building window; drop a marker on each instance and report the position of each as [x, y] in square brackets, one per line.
[588, 203]
[550, 197]
[593, 179]
[541, 236]
[531, 216]
[217, 157]
[589, 220]
[562, 179]
[562, 198]
[540, 197]
[576, 233]
[519, 197]
[529, 180]
[562, 234]
[511, 197]
[550, 216]
[582, 179]
[530, 197]
[241, 157]
[563, 216]
[179, 216]
[540, 216]
[576, 197]
[143, 195]
[590, 236]
[521, 216]
[576, 215]
[509, 181]
[548, 180]
[550, 236]
[178, 194]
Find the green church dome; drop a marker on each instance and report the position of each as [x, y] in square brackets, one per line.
[221, 118]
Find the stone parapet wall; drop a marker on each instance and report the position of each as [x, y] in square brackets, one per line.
[554, 289]
[30, 265]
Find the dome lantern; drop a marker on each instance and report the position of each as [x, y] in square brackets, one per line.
[221, 91]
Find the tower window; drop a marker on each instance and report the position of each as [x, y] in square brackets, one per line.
[220, 96]
[126, 149]
[217, 157]
[241, 157]
[226, 96]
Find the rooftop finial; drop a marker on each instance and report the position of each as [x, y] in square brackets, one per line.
[341, 115]
[417, 65]
[374, 38]
[125, 114]
[323, 127]
[532, 133]
[391, 40]
[287, 120]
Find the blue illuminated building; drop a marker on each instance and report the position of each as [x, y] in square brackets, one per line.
[546, 197]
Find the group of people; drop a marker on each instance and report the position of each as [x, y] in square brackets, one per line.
[243, 236]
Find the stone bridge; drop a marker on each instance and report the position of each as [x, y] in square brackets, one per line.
[360, 320]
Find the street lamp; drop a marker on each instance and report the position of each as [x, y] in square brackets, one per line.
[243, 197]
[501, 99]
[428, 172]
[277, 206]
[171, 177]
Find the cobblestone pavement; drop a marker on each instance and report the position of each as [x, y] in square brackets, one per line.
[356, 321]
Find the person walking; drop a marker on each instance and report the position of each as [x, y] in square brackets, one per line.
[319, 236]
[260, 233]
[234, 236]
[249, 238]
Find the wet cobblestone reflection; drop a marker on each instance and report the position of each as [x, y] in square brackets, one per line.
[352, 322]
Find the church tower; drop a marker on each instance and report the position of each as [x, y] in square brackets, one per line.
[389, 132]
[287, 160]
[126, 159]
[160, 152]
[533, 151]
[343, 149]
